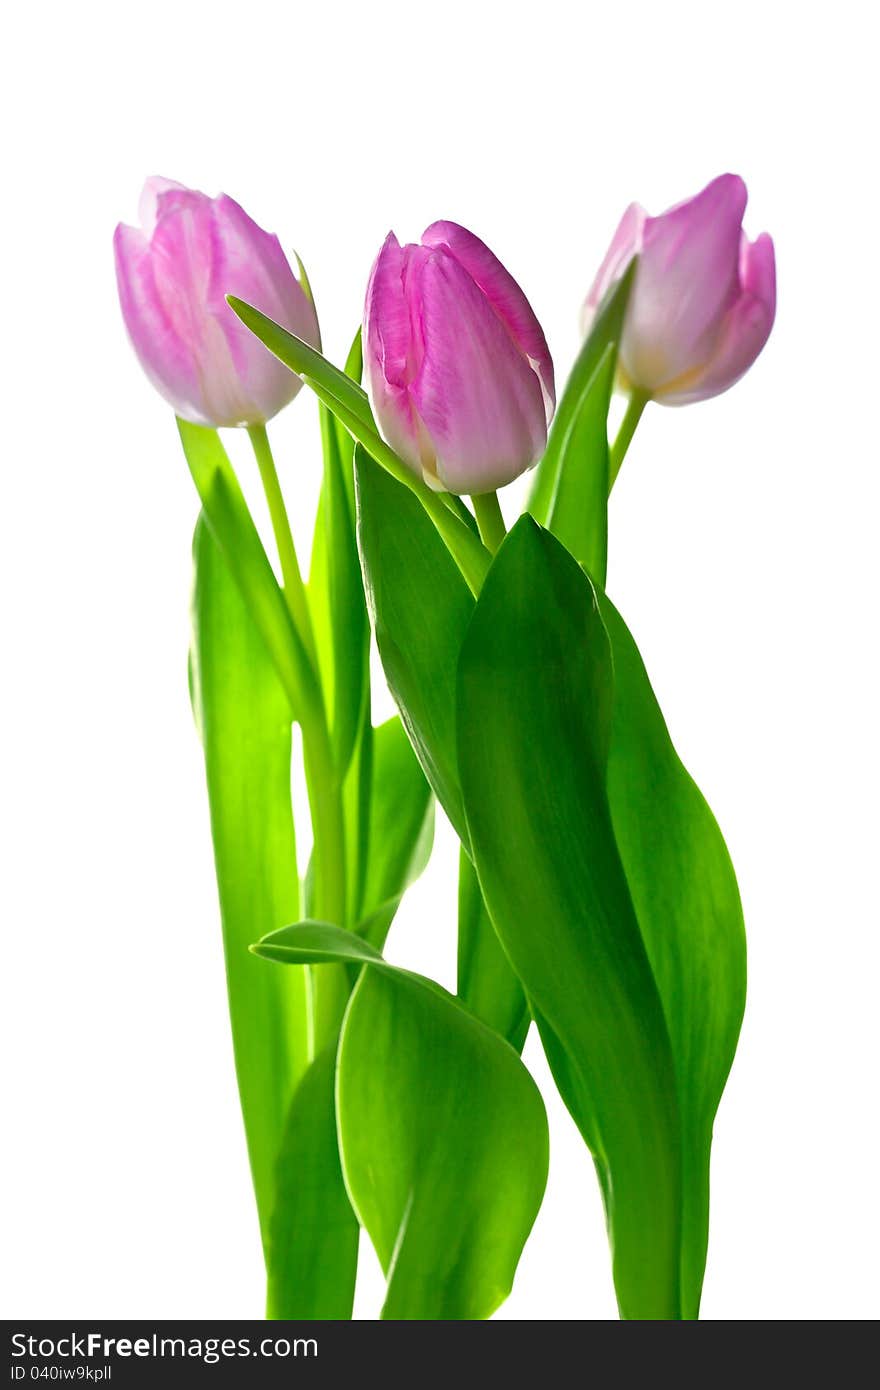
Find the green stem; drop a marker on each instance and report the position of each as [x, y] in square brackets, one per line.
[327, 989]
[635, 405]
[487, 510]
[294, 589]
[471, 557]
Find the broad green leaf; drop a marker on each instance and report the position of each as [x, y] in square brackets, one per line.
[684, 890]
[313, 1235]
[606, 329]
[486, 981]
[226, 515]
[400, 828]
[243, 717]
[534, 724]
[442, 1133]
[579, 512]
[420, 607]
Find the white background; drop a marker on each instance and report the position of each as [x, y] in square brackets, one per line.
[743, 553]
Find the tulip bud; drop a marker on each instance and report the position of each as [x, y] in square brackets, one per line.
[457, 364]
[174, 273]
[704, 297]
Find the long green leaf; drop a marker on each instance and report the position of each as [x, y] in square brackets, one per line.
[606, 329]
[420, 607]
[303, 359]
[350, 405]
[486, 981]
[227, 516]
[244, 719]
[442, 1133]
[534, 726]
[313, 1236]
[347, 614]
[686, 899]
[579, 511]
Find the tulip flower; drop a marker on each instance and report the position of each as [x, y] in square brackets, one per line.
[173, 275]
[458, 367]
[704, 297]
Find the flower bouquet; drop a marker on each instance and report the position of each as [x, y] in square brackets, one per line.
[596, 897]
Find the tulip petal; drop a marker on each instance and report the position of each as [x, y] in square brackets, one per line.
[625, 243]
[480, 400]
[164, 356]
[744, 329]
[505, 296]
[393, 348]
[251, 264]
[186, 248]
[687, 279]
[152, 194]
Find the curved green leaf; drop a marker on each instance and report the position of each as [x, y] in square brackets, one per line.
[350, 405]
[579, 511]
[684, 890]
[306, 361]
[534, 725]
[564, 433]
[442, 1132]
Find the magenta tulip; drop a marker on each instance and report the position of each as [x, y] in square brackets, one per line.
[173, 275]
[457, 364]
[704, 297]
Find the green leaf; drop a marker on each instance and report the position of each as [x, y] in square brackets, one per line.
[486, 981]
[400, 828]
[336, 595]
[229, 521]
[579, 512]
[442, 1132]
[346, 621]
[350, 405]
[420, 607]
[534, 725]
[244, 720]
[304, 360]
[313, 1236]
[684, 890]
[606, 329]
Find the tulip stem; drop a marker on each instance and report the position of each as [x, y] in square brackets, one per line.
[617, 453]
[487, 510]
[294, 589]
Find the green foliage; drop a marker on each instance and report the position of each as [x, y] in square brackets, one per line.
[442, 1133]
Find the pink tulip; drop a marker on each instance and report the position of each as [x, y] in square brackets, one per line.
[173, 275]
[704, 297]
[457, 364]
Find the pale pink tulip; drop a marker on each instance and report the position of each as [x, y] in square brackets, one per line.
[457, 364]
[704, 297]
[174, 273]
